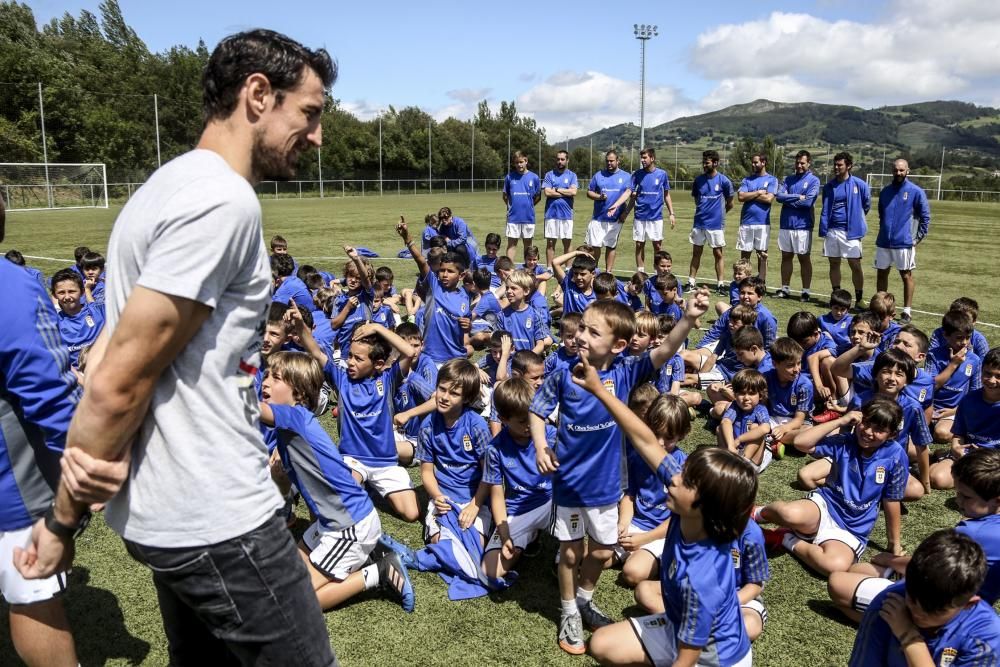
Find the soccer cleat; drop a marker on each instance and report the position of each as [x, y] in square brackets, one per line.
[571, 634]
[860, 306]
[773, 540]
[405, 553]
[826, 416]
[593, 617]
[776, 446]
[905, 317]
[723, 289]
[804, 297]
[755, 514]
[393, 578]
[781, 294]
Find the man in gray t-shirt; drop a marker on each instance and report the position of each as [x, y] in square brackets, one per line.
[172, 377]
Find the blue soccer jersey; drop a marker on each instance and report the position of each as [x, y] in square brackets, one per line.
[293, 289]
[649, 188]
[443, 336]
[734, 292]
[920, 390]
[899, 206]
[967, 377]
[889, 336]
[513, 466]
[838, 330]
[671, 309]
[823, 343]
[756, 212]
[524, 326]
[798, 199]
[784, 400]
[80, 330]
[670, 372]
[914, 425]
[744, 421]
[456, 452]
[977, 422]
[978, 342]
[970, 639]
[731, 365]
[575, 301]
[986, 531]
[710, 194]
[365, 414]
[417, 387]
[521, 190]
[487, 308]
[589, 440]
[767, 325]
[560, 361]
[612, 184]
[648, 492]
[317, 469]
[561, 207]
[857, 484]
[361, 314]
[649, 290]
[750, 557]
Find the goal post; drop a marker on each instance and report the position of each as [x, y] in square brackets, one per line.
[929, 183]
[27, 186]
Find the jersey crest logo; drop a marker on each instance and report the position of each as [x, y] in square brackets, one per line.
[467, 443]
[880, 475]
[669, 371]
[527, 323]
[656, 181]
[923, 396]
[565, 180]
[794, 399]
[855, 189]
[609, 384]
[968, 369]
[380, 387]
[461, 308]
[736, 557]
[90, 323]
[948, 656]
[717, 188]
[905, 195]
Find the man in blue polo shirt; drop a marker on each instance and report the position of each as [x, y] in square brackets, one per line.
[605, 226]
[560, 186]
[904, 217]
[709, 190]
[649, 190]
[756, 193]
[521, 191]
[846, 202]
[798, 198]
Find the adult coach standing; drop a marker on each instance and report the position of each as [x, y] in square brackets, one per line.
[904, 218]
[606, 225]
[650, 189]
[709, 189]
[756, 193]
[846, 202]
[522, 189]
[560, 188]
[798, 200]
[172, 374]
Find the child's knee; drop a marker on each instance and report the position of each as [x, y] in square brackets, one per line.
[806, 479]
[570, 553]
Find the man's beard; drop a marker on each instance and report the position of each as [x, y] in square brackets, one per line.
[269, 163]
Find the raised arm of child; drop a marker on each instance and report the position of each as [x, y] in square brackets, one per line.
[807, 440]
[366, 282]
[842, 365]
[406, 351]
[697, 305]
[422, 410]
[300, 329]
[414, 249]
[953, 365]
[558, 262]
[503, 366]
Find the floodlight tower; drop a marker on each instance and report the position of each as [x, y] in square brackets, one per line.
[643, 33]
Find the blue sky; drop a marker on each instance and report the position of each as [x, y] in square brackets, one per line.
[577, 70]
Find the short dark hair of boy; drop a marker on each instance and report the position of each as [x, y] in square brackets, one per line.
[665, 324]
[92, 260]
[748, 338]
[437, 242]
[482, 279]
[841, 298]
[408, 330]
[378, 349]
[492, 239]
[444, 213]
[584, 263]
[641, 398]
[512, 398]
[304, 271]
[324, 298]
[727, 486]
[971, 306]
[496, 338]
[276, 312]
[992, 359]
[300, 372]
[784, 350]
[307, 318]
[883, 414]
[750, 381]
[605, 284]
[313, 281]
[522, 360]
[278, 241]
[980, 471]
[570, 324]
[63, 275]
[712, 155]
[619, 317]
[665, 282]
[15, 257]
[802, 325]
[947, 569]
[504, 263]
[893, 358]
[79, 252]
[923, 343]
[282, 265]
[669, 418]
[845, 156]
[431, 220]
[957, 322]
[464, 374]
[532, 252]
[743, 313]
[662, 254]
[865, 317]
[754, 282]
[883, 304]
[638, 278]
[383, 273]
[436, 255]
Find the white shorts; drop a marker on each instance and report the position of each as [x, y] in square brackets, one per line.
[655, 547]
[338, 553]
[798, 241]
[384, 480]
[431, 527]
[520, 231]
[524, 527]
[603, 234]
[659, 640]
[715, 238]
[753, 237]
[836, 244]
[16, 589]
[558, 229]
[647, 230]
[904, 259]
[599, 523]
[757, 606]
[867, 590]
[831, 530]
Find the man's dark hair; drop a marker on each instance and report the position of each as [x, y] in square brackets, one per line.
[846, 157]
[15, 256]
[280, 59]
[282, 265]
[710, 155]
[804, 154]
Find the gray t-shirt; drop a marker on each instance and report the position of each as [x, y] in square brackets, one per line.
[199, 464]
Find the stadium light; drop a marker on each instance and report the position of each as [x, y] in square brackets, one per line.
[643, 33]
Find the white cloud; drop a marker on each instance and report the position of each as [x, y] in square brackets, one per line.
[469, 95]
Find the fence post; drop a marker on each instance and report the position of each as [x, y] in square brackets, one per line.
[363, 194]
[276, 192]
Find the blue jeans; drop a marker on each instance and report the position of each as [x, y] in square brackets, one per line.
[244, 601]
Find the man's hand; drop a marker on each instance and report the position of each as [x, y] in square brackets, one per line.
[93, 481]
[46, 555]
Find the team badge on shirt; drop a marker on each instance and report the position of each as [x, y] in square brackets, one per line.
[855, 189]
[90, 323]
[717, 188]
[669, 371]
[948, 656]
[794, 400]
[905, 195]
[527, 323]
[923, 395]
[656, 181]
[467, 442]
[736, 557]
[609, 384]
[880, 475]
[968, 367]
[379, 387]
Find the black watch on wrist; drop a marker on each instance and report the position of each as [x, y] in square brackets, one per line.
[62, 530]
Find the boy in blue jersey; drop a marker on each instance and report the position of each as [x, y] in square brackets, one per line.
[798, 199]
[520, 497]
[663, 264]
[415, 389]
[92, 265]
[846, 202]
[531, 265]
[837, 322]
[578, 283]
[525, 365]
[459, 237]
[709, 190]
[956, 371]
[757, 192]
[852, 370]
[819, 353]
[447, 311]
[666, 288]
[934, 617]
[588, 455]
[489, 260]
[287, 286]
[745, 423]
[522, 189]
[979, 343]
[354, 305]
[521, 320]
[485, 307]
[647, 330]
[883, 305]
[789, 395]
[80, 322]
[741, 271]
[565, 356]
[347, 528]
[605, 227]
[748, 352]
[828, 530]
[752, 291]
[716, 344]
[649, 191]
[976, 424]
[672, 375]
[560, 186]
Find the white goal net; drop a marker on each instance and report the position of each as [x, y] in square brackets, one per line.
[30, 186]
[930, 184]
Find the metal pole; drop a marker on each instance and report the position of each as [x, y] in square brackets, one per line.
[941, 175]
[883, 159]
[380, 154]
[539, 165]
[472, 169]
[156, 120]
[45, 149]
[643, 33]
[591, 156]
[430, 160]
[675, 161]
[508, 148]
[319, 163]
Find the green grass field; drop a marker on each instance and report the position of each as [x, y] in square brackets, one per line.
[112, 603]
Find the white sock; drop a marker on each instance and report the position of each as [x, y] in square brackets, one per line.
[691, 280]
[790, 540]
[640, 268]
[906, 309]
[805, 290]
[784, 288]
[583, 597]
[370, 574]
[569, 607]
